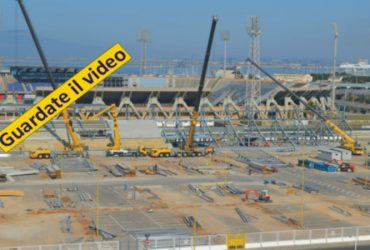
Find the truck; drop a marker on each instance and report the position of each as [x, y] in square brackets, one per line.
[122, 153]
[168, 152]
[344, 166]
[40, 153]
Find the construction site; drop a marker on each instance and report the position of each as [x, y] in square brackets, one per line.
[240, 158]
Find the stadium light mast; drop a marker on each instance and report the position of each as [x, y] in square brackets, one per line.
[225, 37]
[252, 81]
[253, 90]
[143, 39]
[336, 36]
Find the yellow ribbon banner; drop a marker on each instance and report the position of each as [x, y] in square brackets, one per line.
[66, 94]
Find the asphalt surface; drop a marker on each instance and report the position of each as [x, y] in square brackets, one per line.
[144, 181]
[347, 246]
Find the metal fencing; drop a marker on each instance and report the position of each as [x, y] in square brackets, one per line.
[219, 242]
[263, 239]
[102, 245]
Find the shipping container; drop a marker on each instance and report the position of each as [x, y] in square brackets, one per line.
[345, 154]
[329, 155]
[309, 164]
[322, 166]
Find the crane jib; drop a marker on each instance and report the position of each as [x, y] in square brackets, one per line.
[205, 64]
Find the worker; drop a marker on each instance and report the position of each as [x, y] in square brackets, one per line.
[250, 172]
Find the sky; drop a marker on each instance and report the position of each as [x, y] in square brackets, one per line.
[295, 30]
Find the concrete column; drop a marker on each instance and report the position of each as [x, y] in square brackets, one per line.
[206, 103]
[126, 102]
[98, 100]
[153, 102]
[179, 102]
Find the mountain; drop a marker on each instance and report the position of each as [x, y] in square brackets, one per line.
[53, 48]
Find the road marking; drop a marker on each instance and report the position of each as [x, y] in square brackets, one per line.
[116, 221]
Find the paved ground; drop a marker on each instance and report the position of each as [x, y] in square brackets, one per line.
[124, 211]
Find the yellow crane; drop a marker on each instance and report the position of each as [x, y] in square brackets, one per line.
[347, 141]
[189, 148]
[76, 144]
[114, 147]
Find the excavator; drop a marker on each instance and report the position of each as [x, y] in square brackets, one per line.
[114, 147]
[347, 141]
[189, 149]
[76, 145]
[262, 196]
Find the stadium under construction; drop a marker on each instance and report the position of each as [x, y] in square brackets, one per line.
[230, 159]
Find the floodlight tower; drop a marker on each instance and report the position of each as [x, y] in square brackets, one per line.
[143, 39]
[253, 89]
[225, 37]
[336, 36]
[252, 84]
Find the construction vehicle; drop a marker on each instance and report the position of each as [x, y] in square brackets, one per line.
[189, 149]
[76, 145]
[114, 147]
[344, 166]
[123, 153]
[347, 141]
[262, 196]
[40, 153]
[144, 151]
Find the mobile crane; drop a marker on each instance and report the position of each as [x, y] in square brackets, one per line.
[189, 149]
[76, 145]
[347, 141]
[114, 147]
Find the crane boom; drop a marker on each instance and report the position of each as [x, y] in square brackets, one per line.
[116, 145]
[96, 115]
[347, 141]
[195, 113]
[339, 131]
[76, 144]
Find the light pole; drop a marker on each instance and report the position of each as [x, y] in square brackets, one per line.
[225, 37]
[336, 35]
